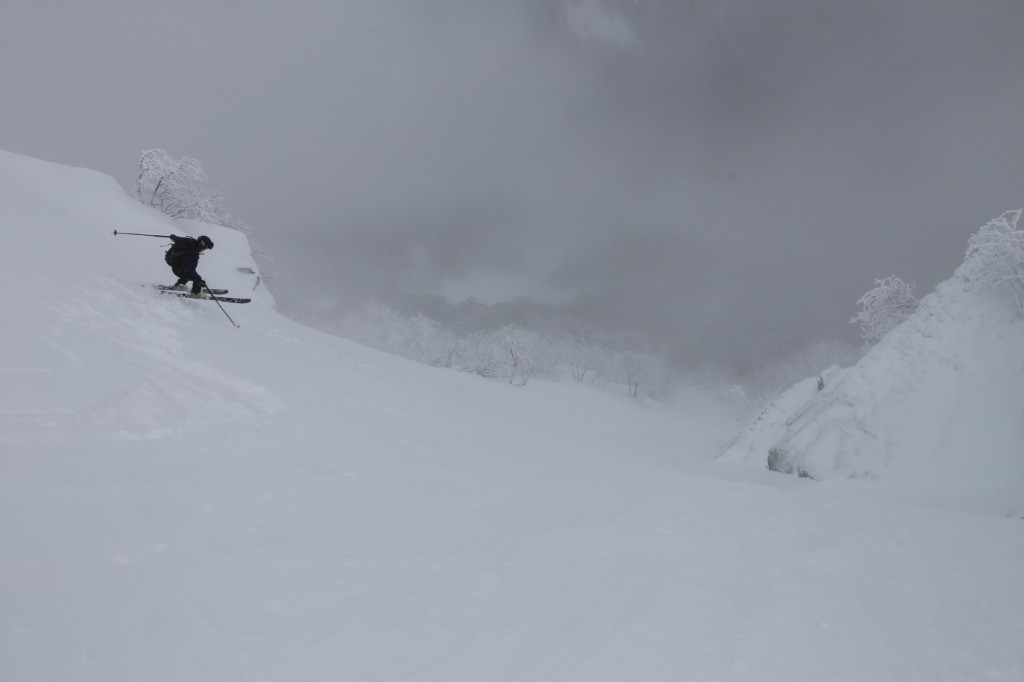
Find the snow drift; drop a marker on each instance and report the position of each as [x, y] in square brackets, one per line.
[935, 408]
[183, 500]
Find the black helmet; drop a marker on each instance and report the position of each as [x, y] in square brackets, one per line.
[204, 242]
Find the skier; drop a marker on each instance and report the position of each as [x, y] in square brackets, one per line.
[183, 257]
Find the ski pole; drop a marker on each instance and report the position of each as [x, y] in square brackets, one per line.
[139, 234]
[221, 307]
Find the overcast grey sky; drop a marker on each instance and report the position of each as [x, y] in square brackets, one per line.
[736, 172]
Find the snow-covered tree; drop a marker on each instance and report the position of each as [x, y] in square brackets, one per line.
[453, 352]
[889, 303]
[509, 354]
[518, 349]
[581, 357]
[476, 354]
[424, 341]
[512, 353]
[170, 185]
[644, 375]
[995, 256]
[418, 338]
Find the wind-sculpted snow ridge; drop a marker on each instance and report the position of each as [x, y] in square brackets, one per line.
[936, 407]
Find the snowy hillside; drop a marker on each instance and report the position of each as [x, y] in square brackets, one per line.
[935, 409]
[184, 500]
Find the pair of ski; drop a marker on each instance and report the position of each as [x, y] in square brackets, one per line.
[205, 296]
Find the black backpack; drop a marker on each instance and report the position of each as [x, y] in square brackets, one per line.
[174, 254]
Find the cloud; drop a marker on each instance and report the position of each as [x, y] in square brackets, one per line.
[742, 170]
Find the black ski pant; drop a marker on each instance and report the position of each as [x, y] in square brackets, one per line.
[184, 276]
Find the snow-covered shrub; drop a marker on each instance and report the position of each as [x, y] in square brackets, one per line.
[888, 304]
[995, 256]
[170, 185]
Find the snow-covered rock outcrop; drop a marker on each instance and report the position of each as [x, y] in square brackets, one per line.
[936, 406]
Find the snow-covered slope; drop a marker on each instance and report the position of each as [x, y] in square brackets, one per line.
[935, 409]
[87, 349]
[183, 500]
